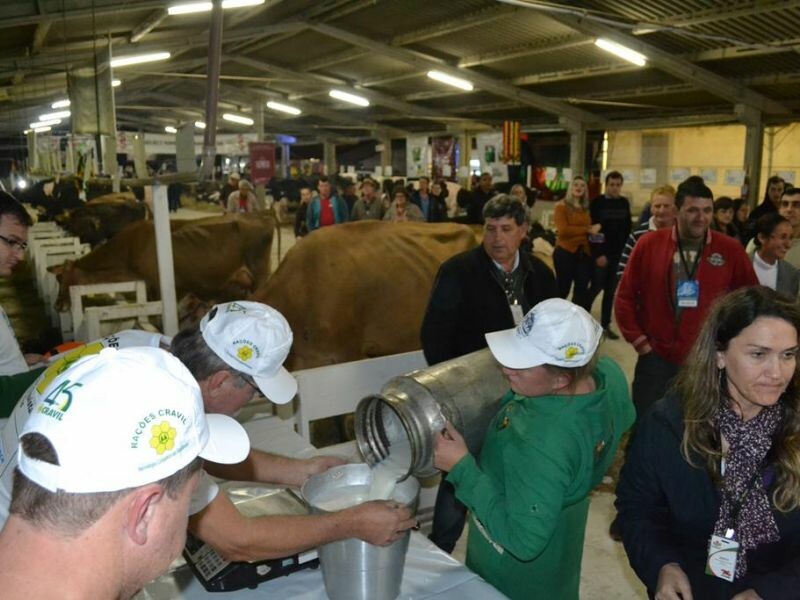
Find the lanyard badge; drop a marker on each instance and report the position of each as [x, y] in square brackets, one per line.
[722, 554]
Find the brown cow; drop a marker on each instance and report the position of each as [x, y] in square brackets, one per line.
[360, 289]
[221, 257]
[102, 218]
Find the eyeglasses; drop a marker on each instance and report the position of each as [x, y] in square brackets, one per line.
[15, 244]
[251, 383]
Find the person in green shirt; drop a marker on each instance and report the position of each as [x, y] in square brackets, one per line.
[550, 443]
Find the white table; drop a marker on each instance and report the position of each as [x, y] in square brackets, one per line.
[429, 572]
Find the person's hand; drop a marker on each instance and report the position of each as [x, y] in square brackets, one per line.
[673, 584]
[319, 464]
[644, 349]
[595, 228]
[33, 359]
[601, 261]
[381, 522]
[750, 594]
[448, 447]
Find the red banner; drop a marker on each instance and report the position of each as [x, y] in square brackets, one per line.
[262, 162]
[511, 147]
[443, 157]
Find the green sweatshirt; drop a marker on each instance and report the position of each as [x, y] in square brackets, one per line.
[12, 387]
[528, 498]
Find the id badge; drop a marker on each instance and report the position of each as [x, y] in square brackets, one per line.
[688, 293]
[516, 313]
[722, 554]
[597, 238]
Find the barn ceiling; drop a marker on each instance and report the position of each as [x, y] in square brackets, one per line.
[708, 62]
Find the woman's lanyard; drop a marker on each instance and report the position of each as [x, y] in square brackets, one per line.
[736, 505]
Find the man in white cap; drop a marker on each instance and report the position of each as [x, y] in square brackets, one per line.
[108, 460]
[238, 348]
[550, 443]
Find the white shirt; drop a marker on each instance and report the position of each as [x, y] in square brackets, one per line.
[9, 442]
[11, 359]
[767, 274]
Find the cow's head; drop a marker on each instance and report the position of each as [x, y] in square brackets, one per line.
[66, 276]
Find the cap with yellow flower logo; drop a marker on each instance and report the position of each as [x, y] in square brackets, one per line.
[554, 332]
[255, 339]
[124, 418]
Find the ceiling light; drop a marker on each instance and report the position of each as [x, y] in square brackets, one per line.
[37, 124]
[170, 129]
[623, 52]
[61, 114]
[461, 84]
[60, 104]
[189, 7]
[199, 124]
[283, 108]
[41, 129]
[116, 82]
[22, 184]
[196, 7]
[348, 97]
[135, 59]
[238, 119]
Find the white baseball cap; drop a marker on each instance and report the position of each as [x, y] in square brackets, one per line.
[255, 339]
[554, 332]
[124, 418]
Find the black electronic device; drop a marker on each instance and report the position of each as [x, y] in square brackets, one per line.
[219, 575]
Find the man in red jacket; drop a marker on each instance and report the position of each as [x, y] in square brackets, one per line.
[672, 278]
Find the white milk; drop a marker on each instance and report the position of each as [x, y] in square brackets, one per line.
[341, 498]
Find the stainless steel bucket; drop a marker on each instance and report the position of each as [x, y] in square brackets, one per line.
[465, 390]
[353, 569]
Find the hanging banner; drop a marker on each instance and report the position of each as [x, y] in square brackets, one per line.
[92, 97]
[417, 156]
[511, 147]
[443, 157]
[489, 147]
[262, 162]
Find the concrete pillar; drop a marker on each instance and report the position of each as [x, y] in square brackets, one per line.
[329, 157]
[386, 154]
[139, 155]
[753, 149]
[285, 160]
[184, 148]
[258, 117]
[577, 145]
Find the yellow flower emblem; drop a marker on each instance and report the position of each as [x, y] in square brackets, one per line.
[245, 353]
[163, 437]
[571, 351]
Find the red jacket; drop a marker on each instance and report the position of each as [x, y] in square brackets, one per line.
[645, 302]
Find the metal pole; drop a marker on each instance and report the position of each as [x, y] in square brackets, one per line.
[214, 59]
[166, 266]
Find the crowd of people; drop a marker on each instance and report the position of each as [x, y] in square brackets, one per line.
[708, 500]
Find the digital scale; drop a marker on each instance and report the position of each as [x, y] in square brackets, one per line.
[218, 575]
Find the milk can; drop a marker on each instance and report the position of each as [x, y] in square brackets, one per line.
[353, 569]
[412, 407]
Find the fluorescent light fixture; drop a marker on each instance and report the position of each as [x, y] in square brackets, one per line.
[62, 114]
[188, 8]
[622, 51]
[116, 82]
[60, 104]
[170, 129]
[200, 124]
[283, 108]
[238, 119]
[37, 124]
[41, 129]
[348, 97]
[461, 84]
[135, 59]
[241, 3]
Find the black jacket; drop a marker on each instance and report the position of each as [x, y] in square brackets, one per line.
[667, 510]
[467, 302]
[614, 214]
[437, 209]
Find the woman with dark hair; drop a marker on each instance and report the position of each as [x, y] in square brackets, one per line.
[401, 209]
[723, 216]
[773, 240]
[709, 497]
[741, 215]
